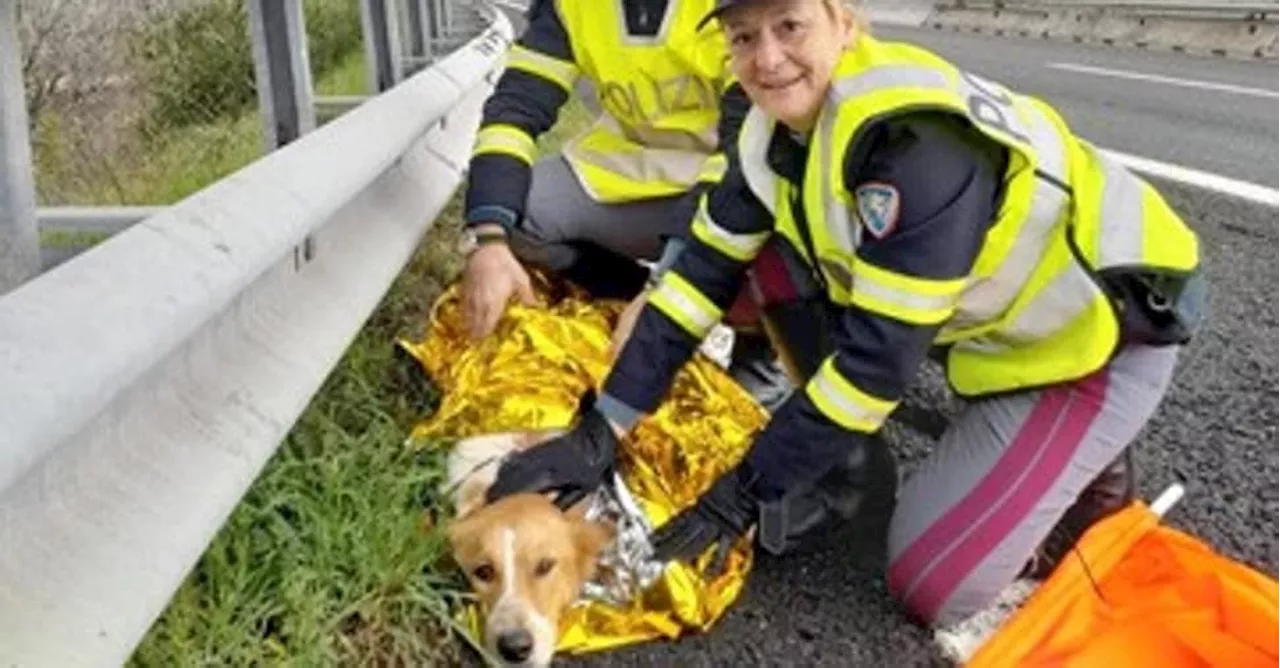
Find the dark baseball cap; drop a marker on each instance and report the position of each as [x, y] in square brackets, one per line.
[722, 5]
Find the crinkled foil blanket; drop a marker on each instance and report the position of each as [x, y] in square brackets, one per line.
[529, 375]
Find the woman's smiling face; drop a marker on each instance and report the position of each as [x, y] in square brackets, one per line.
[784, 53]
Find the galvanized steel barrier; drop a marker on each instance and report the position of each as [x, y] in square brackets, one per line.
[1234, 28]
[1223, 8]
[144, 384]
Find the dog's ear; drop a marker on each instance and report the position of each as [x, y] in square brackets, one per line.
[460, 533]
[469, 496]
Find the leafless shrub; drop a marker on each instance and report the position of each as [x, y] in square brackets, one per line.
[109, 80]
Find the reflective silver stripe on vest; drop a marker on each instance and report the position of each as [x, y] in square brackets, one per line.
[928, 308]
[1121, 216]
[987, 298]
[842, 226]
[680, 164]
[1063, 300]
[888, 76]
[651, 166]
[703, 143]
[753, 144]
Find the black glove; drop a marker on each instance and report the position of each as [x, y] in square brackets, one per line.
[843, 481]
[721, 515]
[573, 464]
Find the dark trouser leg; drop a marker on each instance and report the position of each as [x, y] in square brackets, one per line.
[592, 244]
[605, 274]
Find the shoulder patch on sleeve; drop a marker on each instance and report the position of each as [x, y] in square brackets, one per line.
[878, 206]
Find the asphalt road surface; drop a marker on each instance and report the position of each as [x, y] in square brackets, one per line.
[1218, 426]
[1210, 114]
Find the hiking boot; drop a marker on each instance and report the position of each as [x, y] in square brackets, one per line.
[1110, 492]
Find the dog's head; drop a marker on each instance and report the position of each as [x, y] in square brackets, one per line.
[526, 559]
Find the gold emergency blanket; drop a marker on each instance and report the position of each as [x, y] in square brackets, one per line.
[529, 375]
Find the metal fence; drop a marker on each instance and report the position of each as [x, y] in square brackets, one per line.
[1229, 9]
[134, 104]
[141, 102]
[213, 321]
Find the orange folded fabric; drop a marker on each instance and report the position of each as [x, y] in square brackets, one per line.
[1156, 597]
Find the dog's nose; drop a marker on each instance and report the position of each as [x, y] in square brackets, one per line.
[515, 646]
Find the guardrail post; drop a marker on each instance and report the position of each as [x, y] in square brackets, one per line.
[435, 23]
[419, 49]
[282, 70]
[381, 44]
[446, 10]
[19, 235]
[447, 27]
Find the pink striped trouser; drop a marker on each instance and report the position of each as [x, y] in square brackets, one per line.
[1004, 472]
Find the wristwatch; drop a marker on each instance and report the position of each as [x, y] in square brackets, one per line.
[471, 240]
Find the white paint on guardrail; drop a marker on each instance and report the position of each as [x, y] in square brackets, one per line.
[147, 381]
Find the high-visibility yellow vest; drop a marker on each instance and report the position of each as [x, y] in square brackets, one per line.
[659, 99]
[1033, 310]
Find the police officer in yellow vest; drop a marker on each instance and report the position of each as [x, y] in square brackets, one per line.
[667, 108]
[885, 205]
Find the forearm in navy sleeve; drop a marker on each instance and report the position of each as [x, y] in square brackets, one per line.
[939, 183]
[525, 103]
[667, 332]
[946, 184]
[691, 297]
[797, 446]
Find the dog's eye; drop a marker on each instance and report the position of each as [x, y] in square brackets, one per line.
[483, 572]
[544, 566]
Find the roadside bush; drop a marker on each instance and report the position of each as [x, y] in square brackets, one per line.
[197, 62]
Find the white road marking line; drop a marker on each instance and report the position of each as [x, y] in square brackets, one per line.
[1194, 177]
[1173, 81]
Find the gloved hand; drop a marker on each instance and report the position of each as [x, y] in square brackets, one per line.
[721, 515]
[573, 464]
[837, 483]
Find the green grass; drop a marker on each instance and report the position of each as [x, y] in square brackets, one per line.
[162, 169]
[328, 560]
[170, 164]
[350, 77]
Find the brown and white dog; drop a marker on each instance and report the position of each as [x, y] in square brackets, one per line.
[526, 559]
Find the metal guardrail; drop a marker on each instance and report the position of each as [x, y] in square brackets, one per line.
[400, 36]
[212, 323]
[1203, 9]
